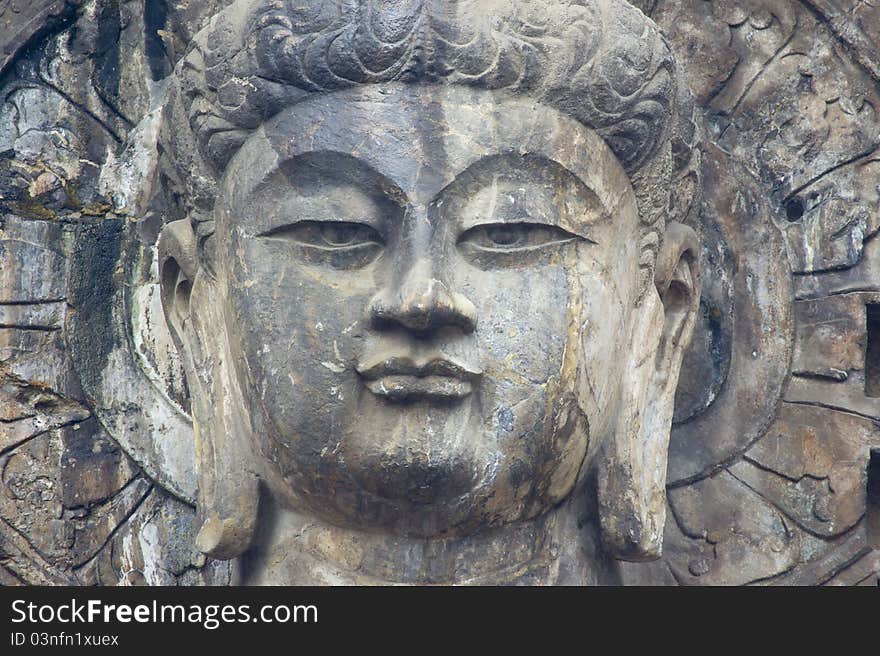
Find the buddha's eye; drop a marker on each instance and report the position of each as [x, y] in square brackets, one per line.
[328, 234]
[343, 245]
[510, 237]
[506, 235]
[513, 244]
[346, 234]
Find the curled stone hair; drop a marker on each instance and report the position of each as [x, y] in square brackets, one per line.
[601, 62]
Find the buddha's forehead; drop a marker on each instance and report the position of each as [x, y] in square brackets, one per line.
[422, 138]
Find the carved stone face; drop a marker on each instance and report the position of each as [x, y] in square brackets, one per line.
[429, 294]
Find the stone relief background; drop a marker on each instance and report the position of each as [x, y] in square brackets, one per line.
[771, 469]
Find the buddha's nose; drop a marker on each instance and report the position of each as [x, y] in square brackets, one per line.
[422, 303]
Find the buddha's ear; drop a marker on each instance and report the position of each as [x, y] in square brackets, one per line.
[228, 487]
[178, 266]
[632, 469]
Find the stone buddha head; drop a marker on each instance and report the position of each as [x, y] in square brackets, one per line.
[431, 276]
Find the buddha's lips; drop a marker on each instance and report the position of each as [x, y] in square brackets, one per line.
[404, 378]
[407, 388]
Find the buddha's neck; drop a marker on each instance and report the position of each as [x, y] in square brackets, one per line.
[559, 548]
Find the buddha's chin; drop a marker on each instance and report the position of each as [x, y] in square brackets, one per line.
[415, 495]
[439, 495]
[419, 470]
[417, 479]
[419, 455]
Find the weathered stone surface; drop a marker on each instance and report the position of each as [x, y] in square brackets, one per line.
[155, 546]
[101, 146]
[31, 495]
[745, 339]
[32, 274]
[827, 560]
[861, 277]
[93, 468]
[812, 465]
[831, 336]
[95, 528]
[862, 572]
[725, 534]
[20, 21]
[857, 26]
[27, 411]
[127, 402]
[829, 222]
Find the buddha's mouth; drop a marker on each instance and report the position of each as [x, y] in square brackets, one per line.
[408, 379]
[413, 388]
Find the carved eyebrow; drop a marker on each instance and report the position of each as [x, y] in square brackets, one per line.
[513, 169]
[322, 186]
[517, 162]
[323, 164]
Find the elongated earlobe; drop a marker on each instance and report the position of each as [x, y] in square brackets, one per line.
[228, 486]
[632, 469]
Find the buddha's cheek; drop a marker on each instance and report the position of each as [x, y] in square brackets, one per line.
[300, 332]
[529, 416]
